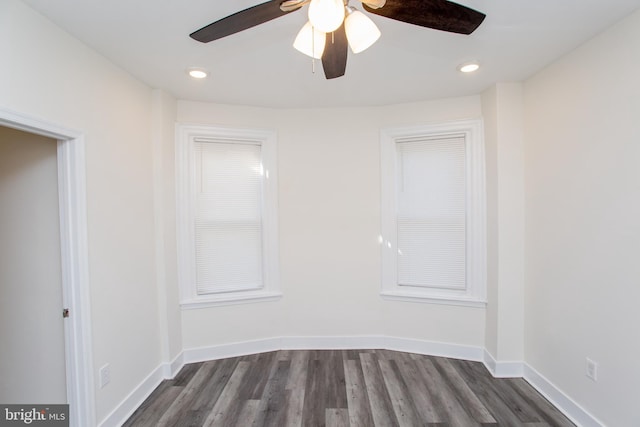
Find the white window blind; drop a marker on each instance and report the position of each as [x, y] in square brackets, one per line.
[228, 216]
[431, 213]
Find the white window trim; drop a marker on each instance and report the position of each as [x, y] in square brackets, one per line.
[475, 293]
[185, 214]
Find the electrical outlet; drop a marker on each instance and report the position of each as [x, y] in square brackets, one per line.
[592, 369]
[105, 375]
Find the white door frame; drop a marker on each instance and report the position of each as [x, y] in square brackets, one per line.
[75, 261]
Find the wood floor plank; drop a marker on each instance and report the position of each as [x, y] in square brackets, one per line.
[191, 418]
[314, 404]
[273, 410]
[358, 405]
[547, 411]
[295, 388]
[209, 394]
[152, 409]
[257, 376]
[228, 407]
[188, 394]
[448, 402]
[283, 355]
[186, 374]
[486, 392]
[521, 406]
[248, 413]
[298, 370]
[336, 395]
[403, 404]
[424, 400]
[469, 400]
[523, 410]
[351, 354]
[382, 410]
[192, 407]
[337, 417]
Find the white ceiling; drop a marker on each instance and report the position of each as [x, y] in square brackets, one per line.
[150, 39]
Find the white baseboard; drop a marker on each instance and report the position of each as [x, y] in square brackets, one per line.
[236, 349]
[498, 369]
[560, 400]
[171, 369]
[576, 413]
[333, 343]
[454, 351]
[433, 348]
[502, 369]
[128, 406]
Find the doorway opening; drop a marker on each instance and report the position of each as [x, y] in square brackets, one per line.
[32, 363]
[73, 260]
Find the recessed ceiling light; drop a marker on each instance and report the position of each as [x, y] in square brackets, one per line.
[469, 67]
[197, 73]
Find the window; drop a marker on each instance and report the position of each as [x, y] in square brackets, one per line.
[227, 215]
[433, 213]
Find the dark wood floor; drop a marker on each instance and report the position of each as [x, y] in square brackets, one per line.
[343, 388]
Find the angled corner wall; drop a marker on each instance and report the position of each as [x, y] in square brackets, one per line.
[582, 230]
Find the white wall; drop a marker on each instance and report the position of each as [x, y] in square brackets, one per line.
[329, 206]
[163, 111]
[582, 223]
[48, 74]
[32, 363]
[502, 108]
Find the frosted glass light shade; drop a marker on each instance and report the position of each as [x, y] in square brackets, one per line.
[326, 15]
[310, 41]
[361, 31]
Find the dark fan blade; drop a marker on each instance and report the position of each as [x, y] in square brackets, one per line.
[438, 14]
[239, 21]
[334, 57]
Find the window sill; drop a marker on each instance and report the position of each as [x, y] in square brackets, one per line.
[434, 299]
[229, 299]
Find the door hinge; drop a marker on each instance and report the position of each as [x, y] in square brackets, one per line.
[65, 313]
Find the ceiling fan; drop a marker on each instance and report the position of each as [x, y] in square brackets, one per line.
[334, 25]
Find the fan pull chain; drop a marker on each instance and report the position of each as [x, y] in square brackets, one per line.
[313, 50]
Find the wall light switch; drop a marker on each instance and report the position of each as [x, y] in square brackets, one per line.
[105, 375]
[592, 369]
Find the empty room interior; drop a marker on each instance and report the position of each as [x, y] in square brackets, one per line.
[392, 205]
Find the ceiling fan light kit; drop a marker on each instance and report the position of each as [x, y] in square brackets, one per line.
[334, 26]
[361, 34]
